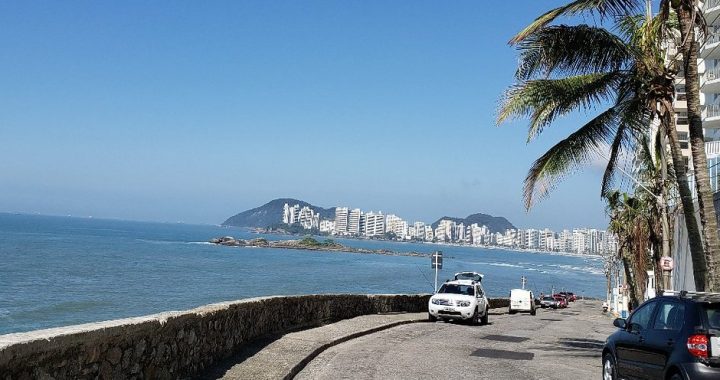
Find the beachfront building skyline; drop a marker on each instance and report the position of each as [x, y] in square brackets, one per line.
[355, 222]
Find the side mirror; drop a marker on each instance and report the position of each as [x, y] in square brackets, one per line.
[620, 323]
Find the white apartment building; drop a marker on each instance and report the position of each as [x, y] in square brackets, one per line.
[290, 213]
[341, 220]
[327, 226]
[354, 221]
[445, 230]
[429, 235]
[304, 216]
[418, 231]
[533, 238]
[374, 224]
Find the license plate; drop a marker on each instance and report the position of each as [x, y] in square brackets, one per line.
[449, 309]
[715, 345]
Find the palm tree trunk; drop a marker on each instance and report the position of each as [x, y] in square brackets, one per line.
[694, 238]
[685, 11]
[665, 222]
[630, 281]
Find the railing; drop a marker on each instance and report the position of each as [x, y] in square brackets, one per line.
[713, 37]
[712, 148]
[711, 4]
[712, 110]
[712, 74]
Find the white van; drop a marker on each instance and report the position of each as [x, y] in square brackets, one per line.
[521, 300]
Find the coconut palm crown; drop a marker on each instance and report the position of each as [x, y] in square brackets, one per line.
[615, 74]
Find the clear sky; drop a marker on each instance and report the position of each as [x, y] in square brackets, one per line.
[194, 111]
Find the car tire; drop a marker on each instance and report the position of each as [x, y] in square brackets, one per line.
[609, 367]
[511, 311]
[484, 319]
[677, 376]
[431, 318]
[475, 320]
[533, 311]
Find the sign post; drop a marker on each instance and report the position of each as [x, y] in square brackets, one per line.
[667, 265]
[436, 262]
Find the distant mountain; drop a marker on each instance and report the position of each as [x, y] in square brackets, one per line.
[271, 213]
[494, 223]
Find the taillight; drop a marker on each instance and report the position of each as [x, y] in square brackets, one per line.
[698, 345]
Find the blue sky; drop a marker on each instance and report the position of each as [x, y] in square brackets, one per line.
[193, 111]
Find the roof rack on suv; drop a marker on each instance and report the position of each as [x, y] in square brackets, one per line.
[700, 296]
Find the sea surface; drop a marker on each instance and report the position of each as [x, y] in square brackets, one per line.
[57, 271]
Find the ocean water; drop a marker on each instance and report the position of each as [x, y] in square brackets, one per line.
[57, 271]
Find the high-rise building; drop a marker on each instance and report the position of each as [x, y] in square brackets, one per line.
[354, 222]
[327, 226]
[374, 224]
[445, 230]
[709, 72]
[341, 220]
[429, 235]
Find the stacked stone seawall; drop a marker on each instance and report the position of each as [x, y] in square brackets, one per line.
[175, 345]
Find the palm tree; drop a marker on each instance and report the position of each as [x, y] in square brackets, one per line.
[690, 17]
[566, 68]
[628, 221]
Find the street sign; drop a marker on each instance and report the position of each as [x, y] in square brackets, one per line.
[436, 260]
[666, 263]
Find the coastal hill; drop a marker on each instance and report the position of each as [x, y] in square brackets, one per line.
[271, 213]
[494, 223]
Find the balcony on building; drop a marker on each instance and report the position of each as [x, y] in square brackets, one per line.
[711, 9]
[710, 80]
[711, 48]
[711, 116]
[680, 103]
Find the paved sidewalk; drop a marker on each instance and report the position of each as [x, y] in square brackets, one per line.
[283, 358]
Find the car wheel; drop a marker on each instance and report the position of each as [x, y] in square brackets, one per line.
[533, 311]
[484, 319]
[431, 318]
[475, 320]
[609, 367]
[511, 311]
[677, 376]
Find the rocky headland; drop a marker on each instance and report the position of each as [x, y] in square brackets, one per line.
[310, 244]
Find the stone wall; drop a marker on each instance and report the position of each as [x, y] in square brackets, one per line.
[180, 344]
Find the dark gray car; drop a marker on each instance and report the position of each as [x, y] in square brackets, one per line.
[669, 337]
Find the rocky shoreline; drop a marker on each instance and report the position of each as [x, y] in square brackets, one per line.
[310, 244]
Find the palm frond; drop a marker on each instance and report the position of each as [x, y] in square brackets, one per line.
[602, 8]
[573, 50]
[632, 119]
[571, 152]
[543, 100]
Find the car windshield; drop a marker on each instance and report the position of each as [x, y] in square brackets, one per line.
[457, 289]
[713, 315]
[548, 298]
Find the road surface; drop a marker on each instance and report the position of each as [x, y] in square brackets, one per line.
[554, 344]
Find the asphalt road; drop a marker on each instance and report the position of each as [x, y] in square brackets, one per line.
[554, 344]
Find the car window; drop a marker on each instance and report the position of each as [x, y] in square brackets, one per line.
[713, 315]
[640, 318]
[457, 289]
[670, 316]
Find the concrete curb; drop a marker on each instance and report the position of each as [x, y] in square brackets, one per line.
[312, 355]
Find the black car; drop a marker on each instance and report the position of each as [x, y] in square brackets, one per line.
[669, 337]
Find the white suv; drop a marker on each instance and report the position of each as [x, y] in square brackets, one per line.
[460, 299]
